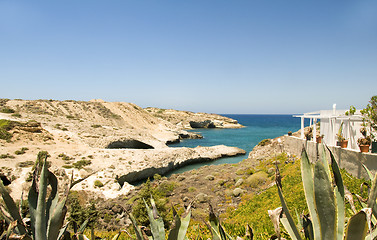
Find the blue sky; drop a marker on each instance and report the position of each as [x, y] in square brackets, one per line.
[222, 56]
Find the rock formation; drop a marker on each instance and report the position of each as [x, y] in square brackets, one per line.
[116, 140]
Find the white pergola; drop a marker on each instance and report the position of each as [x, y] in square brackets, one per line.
[330, 121]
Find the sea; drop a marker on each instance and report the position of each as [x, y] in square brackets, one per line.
[257, 127]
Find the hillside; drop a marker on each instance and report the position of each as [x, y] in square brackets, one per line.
[121, 141]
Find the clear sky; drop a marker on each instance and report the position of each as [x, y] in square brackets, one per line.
[221, 56]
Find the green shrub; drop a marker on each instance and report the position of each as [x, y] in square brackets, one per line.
[65, 157]
[21, 151]
[264, 142]
[2, 156]
[98, 183]
[138, 206]
[96, 126]
[17, 115]
[157, 177]
[70, 117]
[25, 164]
[5, 126]
[81, 163]
[6, 110]
[257, 178]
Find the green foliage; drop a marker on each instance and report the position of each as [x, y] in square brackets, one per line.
[157, 177]
[178, 231]
[264, 142]
[21, 151]
[82, 163]
[79, 214]
[25, 164]
[17, 115]
[325, 196]
[351, 111]
[138, 207]
[98, 183]
[65, 157]
[96, 126]
[257, 178]
[6, 110]
[2, 156]
[253, 209]
[5, 126]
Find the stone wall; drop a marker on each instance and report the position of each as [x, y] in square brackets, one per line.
[351, 160]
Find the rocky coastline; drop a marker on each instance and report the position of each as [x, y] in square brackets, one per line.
[117, 143]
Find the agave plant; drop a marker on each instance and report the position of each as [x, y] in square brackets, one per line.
[47, 214]
[178, 231]
[218, 231]
[326, 204]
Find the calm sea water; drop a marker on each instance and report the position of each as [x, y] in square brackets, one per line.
[257, 128]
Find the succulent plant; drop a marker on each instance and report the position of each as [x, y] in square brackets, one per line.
[178, 232]
[47, 215]
[326, 204]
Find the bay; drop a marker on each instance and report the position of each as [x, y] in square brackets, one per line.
[257, 127]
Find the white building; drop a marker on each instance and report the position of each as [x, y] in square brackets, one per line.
[330, 122]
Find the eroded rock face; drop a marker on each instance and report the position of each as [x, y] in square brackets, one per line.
[129, 143]
[202, 124]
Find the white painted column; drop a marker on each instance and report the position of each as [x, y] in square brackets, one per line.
[302, 128]
[314, 129]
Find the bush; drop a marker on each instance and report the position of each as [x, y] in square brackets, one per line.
[81, 163]
[65, 157]
[98, 183]
[25, 164]
[21, 151]
[2, 156]
[138, 206]
[17, 115]
[257, 178]
[6, 110]
[96, 126]
[5, 126]
[264, 142]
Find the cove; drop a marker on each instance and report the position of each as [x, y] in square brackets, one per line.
[257, 127]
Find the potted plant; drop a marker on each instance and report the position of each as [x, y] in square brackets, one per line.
[319, 138]
[309, 134]
[370, 116]
[365, 140]
[342, 141]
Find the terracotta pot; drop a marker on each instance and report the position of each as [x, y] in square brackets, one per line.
[344, 143]
[364, 148]
[319, 139]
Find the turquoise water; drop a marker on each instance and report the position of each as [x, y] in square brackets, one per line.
[257, 128]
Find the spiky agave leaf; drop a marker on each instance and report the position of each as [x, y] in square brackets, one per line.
[358, 225]
[12, 209]
[307, 181]
[157, 224]
[288, 222]
[178, 232]
[339, 194]
[217, 230]
[139, 234]
[324, 202]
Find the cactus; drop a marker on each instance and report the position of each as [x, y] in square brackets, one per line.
[47, 217]
[326, 205]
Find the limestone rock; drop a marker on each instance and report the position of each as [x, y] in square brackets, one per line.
[237, 192]
[202, 197]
